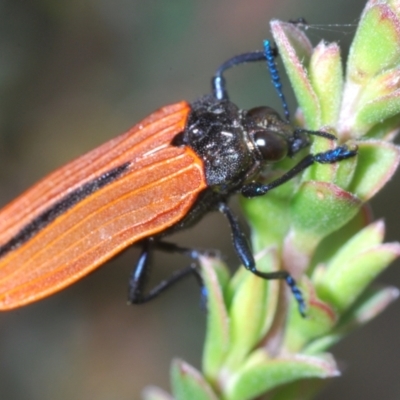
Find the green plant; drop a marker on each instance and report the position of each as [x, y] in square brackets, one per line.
[317, 227]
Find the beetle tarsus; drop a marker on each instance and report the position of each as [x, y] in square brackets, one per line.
[297, 294]
[338, 154]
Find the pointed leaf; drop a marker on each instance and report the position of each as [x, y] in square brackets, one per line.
[261, 373]
[217, 339]
[377, 162]
[381, 85]
[322, 344]
[377, 110]
[376, 47]
[342, 285]
[318, 209]
[329, 247]
[367, 238]
[376, 44]
[371, 304]
[269, 261]
[326, 77]
[188, 383]
[295, 51]
[386, 130]
[375, 303]
[248, 311]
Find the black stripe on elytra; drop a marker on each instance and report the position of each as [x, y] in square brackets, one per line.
[59, 208]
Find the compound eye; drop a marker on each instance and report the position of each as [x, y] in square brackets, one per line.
[262, 115]
[272, 146]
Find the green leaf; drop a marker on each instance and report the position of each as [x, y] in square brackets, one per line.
[372, 302]
[375, 304]
[266, 261]
[384, 84]
[326, 76]
[250, 298]
[188, 383]
[375, 49]
[343, 283]
[323, 343]
[321, 208]
[377, 110]
[386, 130]
[261, 373]
[329, 247]
[367, 238]
[318, 209]
[376, 44]
[377, 162]
[295, 50]
[217, 339]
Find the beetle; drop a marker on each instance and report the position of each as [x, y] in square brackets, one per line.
[161, 176]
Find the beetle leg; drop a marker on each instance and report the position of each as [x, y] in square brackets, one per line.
[139, 276]
[327, 157]
[242, 247]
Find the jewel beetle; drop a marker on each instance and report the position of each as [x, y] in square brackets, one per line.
[161, 176]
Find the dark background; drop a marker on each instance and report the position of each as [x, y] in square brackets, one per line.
[73, 75]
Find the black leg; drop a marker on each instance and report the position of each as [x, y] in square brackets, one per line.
[328, 157]
[139, 276]
[243, 251]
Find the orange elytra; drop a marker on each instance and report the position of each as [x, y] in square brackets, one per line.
[84, 213]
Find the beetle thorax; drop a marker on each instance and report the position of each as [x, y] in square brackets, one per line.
[215, 130]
